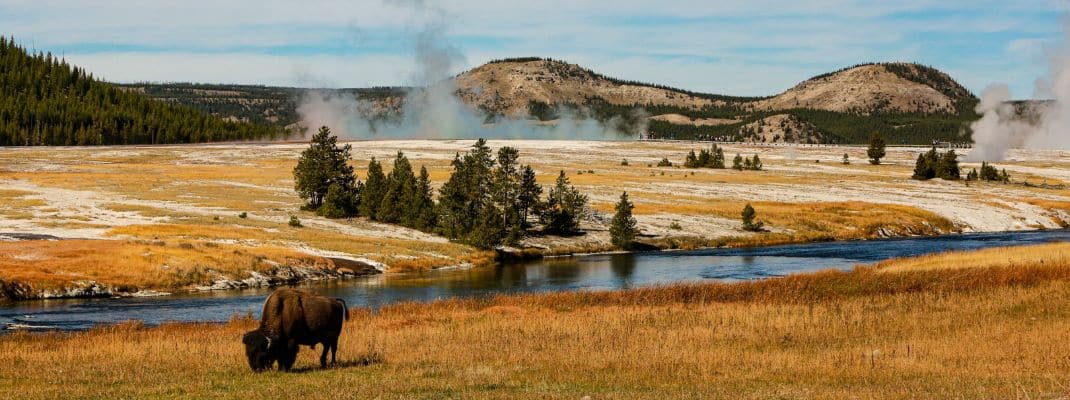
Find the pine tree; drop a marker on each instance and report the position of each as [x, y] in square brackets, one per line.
[748, 219]
[489, 229]
[454, 217]
[737, 163]
[756, 164]
[925, 167]
[422, 211]
[530, 192]
[506, 193]
[705, 159]
[948, 167]
[49, 102]
[339, 202]
[989, 172]
[374, 189]
[321, 165]
[399, 194]
[876, 149]
[921, 169]
[691, 161]
[467, 211]
[718, 157]
[623, 228]
[565, 207]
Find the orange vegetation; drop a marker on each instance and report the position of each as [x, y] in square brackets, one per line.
[991, 331]
[130, 264]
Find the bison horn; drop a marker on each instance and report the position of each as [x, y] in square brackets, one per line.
[269, 343]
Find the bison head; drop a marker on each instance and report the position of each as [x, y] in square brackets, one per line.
[258, 350]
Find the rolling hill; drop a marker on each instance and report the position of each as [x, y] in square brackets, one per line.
[907, 103]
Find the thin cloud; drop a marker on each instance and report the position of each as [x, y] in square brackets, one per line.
[736, 47]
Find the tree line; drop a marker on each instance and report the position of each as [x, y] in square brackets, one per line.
[714, 158]
[933, 164]
[489, 199]
[46, 101]
[989, 173]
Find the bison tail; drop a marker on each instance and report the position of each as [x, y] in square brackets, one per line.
[345, 309]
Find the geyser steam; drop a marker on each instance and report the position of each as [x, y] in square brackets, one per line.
[431, 109]
[1001, 128]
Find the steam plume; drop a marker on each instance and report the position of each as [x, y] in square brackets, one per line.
[1046, 125]
[431, 109]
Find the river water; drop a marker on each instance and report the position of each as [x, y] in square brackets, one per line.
[596, 272]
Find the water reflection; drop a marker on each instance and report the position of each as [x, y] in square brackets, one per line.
[598, 272]
[623, 266]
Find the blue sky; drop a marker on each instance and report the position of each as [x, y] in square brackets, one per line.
[733, 47]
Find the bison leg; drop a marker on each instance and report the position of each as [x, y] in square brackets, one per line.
[334, 351]
[289, 355]
[323, 356]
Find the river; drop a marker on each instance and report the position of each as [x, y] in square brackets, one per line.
[594, 272]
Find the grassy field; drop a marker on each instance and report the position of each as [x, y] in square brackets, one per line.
[989, 324]
[195, 194]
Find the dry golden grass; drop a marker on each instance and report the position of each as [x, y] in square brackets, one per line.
[400, 254]
[806, 222]
[986, 332]
[128, 264]
[15, 205]
[1005, 257]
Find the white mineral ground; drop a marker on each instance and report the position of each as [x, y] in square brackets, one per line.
[997, 208]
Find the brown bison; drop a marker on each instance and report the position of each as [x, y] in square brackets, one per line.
[292, 318]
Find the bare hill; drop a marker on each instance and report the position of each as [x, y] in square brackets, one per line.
[893, 87]
[509, 86]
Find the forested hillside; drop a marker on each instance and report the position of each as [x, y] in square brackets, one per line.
[45, 101]
[265, 105]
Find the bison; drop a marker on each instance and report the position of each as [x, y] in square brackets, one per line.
[292, 318]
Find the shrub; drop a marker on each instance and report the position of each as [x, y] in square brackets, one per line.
[294, 222]
[749, 224]
[991, 174]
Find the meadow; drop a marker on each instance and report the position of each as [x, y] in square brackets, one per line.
[986, 324]
[201, 204]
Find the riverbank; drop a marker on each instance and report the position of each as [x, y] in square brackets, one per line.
[894, 330]
[82, 269]
[59, 269]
